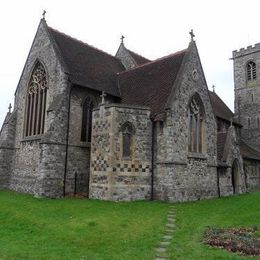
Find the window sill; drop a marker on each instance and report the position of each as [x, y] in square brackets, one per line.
[31, 138]
[197, 156]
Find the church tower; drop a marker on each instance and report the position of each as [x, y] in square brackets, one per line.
[247, 93]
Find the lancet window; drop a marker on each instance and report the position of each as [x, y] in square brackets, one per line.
[86, 120]
[36, 102]
[196, 122]
[127, 139]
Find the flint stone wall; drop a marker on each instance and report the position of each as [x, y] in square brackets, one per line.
[113, 177]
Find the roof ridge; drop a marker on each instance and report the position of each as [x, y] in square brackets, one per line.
[154, 61]
[82, 42]
[137, 54]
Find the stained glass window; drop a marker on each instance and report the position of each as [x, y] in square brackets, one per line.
[36, 102]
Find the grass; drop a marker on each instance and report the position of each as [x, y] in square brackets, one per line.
[87, 229]
[78, 229]
[193, 218]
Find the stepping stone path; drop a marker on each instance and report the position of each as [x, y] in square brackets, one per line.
[161, 249]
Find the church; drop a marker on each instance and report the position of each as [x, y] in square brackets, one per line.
[127, 128]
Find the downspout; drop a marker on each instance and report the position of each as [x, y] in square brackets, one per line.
[152, 160]
[218, 182]
[67, 143]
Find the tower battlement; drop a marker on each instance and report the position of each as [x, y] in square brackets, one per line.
[246, 51]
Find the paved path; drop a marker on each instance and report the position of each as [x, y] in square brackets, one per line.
[161, 249]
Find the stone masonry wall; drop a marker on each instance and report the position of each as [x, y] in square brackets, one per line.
[252, 174]
[247, 94]
[112, 176]
[30, 169]
[7, 149]
[180, 175]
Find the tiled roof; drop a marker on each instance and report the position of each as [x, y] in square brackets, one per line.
[220, 109]
[221, 141]
[248, 152]
[138, 58]
[88, 66]
[150, 84]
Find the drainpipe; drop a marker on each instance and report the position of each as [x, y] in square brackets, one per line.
[152, 160]
[67, 143]
[218, 182]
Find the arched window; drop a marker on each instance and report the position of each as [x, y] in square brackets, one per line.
[36, 102]
[127, 139]
[86, 120]
[196, 118]
[251, 71]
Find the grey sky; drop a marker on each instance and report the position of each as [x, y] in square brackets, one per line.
[152, 28]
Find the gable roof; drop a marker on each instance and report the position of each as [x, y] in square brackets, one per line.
[150, 84]
[138, 58]
[220, 109]
[88, 66]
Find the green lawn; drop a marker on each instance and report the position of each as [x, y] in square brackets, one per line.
[194, 217]
[33, 228]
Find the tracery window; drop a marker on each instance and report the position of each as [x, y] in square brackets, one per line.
[86, 120]
[251, 71]
[127, 139]
[196, 118]
[36, 102]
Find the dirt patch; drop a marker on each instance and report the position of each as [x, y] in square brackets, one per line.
[245, 241]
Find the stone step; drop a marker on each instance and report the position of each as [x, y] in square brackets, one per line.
[167, 237]
[164, 243]
[160, 249]
[160, 258]
[170, 225]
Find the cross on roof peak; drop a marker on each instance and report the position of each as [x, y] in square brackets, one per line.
[214, 87]
[9, 108]
[122, 38]
[43, 14]
[192, 35]
[103, 95]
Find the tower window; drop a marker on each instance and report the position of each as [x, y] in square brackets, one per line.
[251, 71]
[196, 119]
[36, 102]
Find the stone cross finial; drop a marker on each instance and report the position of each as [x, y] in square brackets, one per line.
[10, 108]
[122, 38]
[43, 14]
[213, 86]
[192, 35]
[103, 97]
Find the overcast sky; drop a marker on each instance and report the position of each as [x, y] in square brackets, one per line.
[153, 28]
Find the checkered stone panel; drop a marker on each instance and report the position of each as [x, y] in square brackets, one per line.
[102, 125]
[125, 167]
[100, 164]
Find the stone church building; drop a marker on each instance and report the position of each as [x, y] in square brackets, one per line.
[126, 128]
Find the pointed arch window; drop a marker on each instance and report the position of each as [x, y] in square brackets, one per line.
[86, 120]
[251, 71]
[36, 102]
[127, 139]
[196, 122]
